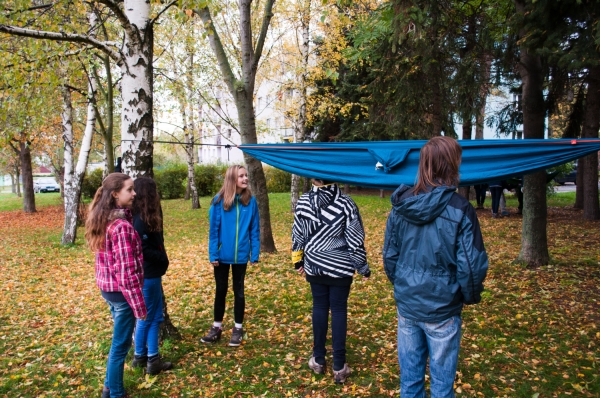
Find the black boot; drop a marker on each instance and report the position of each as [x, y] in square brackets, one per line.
[156, 365]
[139, 361]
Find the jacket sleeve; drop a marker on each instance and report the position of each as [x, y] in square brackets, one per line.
[391, 247]
[298, 242]
[355, 238]
[472, 260]
[153, 254]
[255, 232]
[128, 267]
[214, 217]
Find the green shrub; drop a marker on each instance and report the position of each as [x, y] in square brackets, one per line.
[277, 180]
[171, 181]
[209, 178]
[91, 182]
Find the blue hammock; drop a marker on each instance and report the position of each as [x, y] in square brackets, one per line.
[387, 164]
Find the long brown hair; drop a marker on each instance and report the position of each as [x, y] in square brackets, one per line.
[227, 192]
[147, 203]
[99, 212]
[439, 161]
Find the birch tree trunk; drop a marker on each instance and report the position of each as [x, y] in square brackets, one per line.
[534, 240]
[137, 121]
[589, 164]
[300, 125]
[73, 174]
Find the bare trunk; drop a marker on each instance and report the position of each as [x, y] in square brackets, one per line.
[300, 125]
[436, 108]
[534, 240]
[483, 94]
[589, 164]
[579, 186]
[467, 130]
[137, 122]
[73, 174]
[27, 176]
[190, 129]
[18, 181]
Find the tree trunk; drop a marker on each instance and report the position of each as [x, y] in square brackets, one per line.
[467, 130]
[137, 122]
[589, 166]
[27, 175]
[483, 94]
[534, 241]
[190, 128]
[436, 108]
[73, 176]
[579, 185]
[18, 181]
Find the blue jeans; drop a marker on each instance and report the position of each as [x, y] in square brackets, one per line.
[438, 341]
[327, 297]
[146, 332]
[124, 322]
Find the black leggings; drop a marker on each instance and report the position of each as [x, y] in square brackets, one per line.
[238, 272]
[496, 194]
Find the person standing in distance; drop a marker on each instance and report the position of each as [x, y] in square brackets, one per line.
[434, 256]
[233, 240]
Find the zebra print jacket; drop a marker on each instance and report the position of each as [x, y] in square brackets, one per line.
[328, 235]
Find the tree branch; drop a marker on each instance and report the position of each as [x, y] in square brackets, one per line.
[172, 3]
[217, 46]
[70, 37]
[263, 32]
[119, 14]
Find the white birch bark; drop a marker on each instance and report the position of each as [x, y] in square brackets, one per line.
[137, 123]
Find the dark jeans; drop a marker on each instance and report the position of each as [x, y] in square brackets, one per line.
[480, 191]
[496, 194]
[238, 272]
[327, 297]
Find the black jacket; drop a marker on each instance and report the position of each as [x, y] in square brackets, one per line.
[156, 261]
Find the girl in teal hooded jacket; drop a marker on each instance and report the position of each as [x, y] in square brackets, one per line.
[233, 240]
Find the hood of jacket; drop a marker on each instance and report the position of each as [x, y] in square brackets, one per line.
[423, 208]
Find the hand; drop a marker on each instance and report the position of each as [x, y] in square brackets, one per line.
[142, 318]
[215, 263]
[254, 263]
[300, 270]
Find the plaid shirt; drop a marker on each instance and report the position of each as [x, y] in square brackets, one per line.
[119, 268]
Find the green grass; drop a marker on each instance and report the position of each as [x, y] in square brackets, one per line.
[10, 201]
[535, 332]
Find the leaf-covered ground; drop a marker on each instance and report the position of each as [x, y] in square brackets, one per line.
[536, 333]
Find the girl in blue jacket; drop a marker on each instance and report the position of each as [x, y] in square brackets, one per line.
[233, 240]
[434, 256]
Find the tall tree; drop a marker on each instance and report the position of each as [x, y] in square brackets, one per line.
[534, 241]
[134, 57]
[241, 89]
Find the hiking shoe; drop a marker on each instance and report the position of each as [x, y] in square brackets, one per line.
[315, 367]
[237, 334]
[339, 376]
[505, 213]
[494, 215]
[214, 334]
[139, 361]
[156, 366]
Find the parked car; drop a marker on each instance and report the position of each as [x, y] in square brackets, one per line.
[45, 185]
[571, 177]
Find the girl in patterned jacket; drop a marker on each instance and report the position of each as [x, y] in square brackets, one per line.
[328, 247]
[119, 269]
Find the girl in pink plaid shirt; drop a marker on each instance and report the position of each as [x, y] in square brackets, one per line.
[119, 270]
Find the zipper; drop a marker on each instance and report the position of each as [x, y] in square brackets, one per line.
[237, 227]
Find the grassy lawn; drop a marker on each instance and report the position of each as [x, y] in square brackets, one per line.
[536, 332]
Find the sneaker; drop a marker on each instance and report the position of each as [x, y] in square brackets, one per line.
[105, 392]
[214, 334]
[504, 213]
[339, 376]
[494, 215]
[139, 361]
[156, 366]
[315, 367]
[237, 335]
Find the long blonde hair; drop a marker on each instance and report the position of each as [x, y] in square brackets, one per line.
[227, 192]
[100, 209]
[439, 161]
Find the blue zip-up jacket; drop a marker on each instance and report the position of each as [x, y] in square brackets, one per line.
[234, 235]
[433, 253]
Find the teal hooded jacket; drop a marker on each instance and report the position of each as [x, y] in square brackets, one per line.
[433, 253]
[234, 235]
